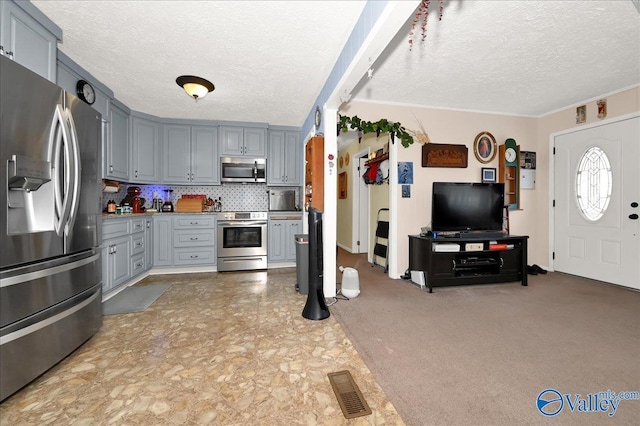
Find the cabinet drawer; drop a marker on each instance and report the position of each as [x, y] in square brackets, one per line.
[203, 237]
[194, 222]
[137, 244]
[113, 228]
[137, 265]
[194, 256]
[137, 225]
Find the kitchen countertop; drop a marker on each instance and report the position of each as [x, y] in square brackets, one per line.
[130, 215]
[280, 215]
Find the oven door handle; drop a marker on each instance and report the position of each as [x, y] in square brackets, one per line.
[241, 224]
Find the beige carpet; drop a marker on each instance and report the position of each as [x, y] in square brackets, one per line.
[481, 355]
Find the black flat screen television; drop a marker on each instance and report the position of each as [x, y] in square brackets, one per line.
[467, 207]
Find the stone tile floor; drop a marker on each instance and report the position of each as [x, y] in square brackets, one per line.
[214, 349]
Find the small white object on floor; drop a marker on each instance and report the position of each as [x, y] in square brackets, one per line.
[350, 282]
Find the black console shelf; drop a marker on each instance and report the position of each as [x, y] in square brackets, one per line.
[471, 259]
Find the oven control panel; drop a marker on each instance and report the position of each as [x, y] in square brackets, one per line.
[243, 216]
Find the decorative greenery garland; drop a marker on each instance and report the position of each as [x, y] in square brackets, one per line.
[380, 126]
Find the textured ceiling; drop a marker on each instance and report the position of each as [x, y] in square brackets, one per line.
[269, 60]
[512, 57]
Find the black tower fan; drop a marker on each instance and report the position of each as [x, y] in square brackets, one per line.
[316, 307]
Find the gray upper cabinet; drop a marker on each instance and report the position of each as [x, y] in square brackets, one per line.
[284, 160]
[31, 36]
[204, 155]
[242, 141]
[177, 153]
[190, 154]
[116, 148]
[145, 148]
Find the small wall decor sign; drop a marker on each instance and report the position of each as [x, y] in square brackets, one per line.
[602, 108]
[581, 114]
[444, 155]
[406, 191]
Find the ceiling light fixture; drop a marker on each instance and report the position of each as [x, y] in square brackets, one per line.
[196, 87]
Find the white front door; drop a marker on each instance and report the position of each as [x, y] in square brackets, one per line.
[593, 238]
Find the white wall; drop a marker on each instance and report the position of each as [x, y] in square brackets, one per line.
[461, 127]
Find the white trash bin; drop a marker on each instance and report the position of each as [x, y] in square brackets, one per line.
[350, 282]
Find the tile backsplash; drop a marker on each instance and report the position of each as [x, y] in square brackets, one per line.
[234, 197]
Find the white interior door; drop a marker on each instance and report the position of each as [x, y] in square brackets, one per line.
[360, 206]
[594, 238]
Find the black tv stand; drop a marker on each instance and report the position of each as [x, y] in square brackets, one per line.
[470, 234]
[469, 259]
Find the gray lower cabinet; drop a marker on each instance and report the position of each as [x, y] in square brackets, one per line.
[162, 240]
[138, 247]
[148, 235]
[125, 249]
[194, 240]
[184, 240]
[30, 36]
[281, 237]
[116, 253]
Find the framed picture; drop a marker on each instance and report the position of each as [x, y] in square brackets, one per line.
[581, 114]
[405, 172]
[484, 147]
[488, 175]
[342, 185]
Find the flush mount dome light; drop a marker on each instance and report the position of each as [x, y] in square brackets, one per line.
[196, 87]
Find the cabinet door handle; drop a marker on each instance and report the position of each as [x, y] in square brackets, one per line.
[111, 168]
[193, 223]
[138, 244]
[194, 256]
[136, 173]
[194, 238]
[454, 265]
[501, 262]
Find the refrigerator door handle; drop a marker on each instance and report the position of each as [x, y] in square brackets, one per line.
[55, 147]
[75, 173]
[68, 166]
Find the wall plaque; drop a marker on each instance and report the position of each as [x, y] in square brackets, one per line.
[444, 155]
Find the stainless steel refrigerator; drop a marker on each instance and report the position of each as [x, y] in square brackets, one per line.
[50, 269]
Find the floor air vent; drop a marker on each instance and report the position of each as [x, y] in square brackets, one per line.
[348, 394]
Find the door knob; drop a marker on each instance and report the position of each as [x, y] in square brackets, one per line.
[633, 216]
[634, 204]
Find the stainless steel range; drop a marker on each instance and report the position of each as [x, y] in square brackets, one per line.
[242, 241]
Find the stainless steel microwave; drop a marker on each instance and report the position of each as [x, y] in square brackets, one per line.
[243, 169]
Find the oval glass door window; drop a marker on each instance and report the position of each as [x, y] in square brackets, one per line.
[593, 183]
